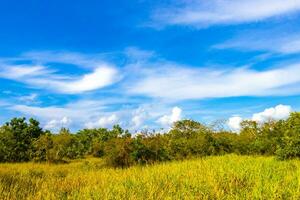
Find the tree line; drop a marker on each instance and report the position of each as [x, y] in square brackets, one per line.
[22, 141]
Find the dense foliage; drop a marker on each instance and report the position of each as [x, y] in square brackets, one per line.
[22, 140]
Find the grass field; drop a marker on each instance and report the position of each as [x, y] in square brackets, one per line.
[220, 177]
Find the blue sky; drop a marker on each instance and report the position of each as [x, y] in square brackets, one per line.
[146, 64]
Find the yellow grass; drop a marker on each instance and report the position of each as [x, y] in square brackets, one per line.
[220, 177]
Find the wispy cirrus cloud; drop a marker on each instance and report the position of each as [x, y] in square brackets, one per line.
[44, 78]
[50, 112]
[18, 72]
[199, 13]
[30, 97]
[66, 57]
[273, 41]
[175, 82]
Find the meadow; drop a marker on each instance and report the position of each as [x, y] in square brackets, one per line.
[213, 177]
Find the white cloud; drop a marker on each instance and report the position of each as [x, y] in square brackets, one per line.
[135, 54]
[168, 120]
[180, 82]
[143, 115]
[200, 13]
[101, 77]
[274, 113]
[56, 124]
[234, 123]
[84, 113]
[29, 98]
[44, 112]
[43, 74]
[74, 58]
[287, 42]
[41, 77]
[108, 121]
[138, 118]
[20, 72]
[164, 82]
[80, 111]
[104, 122]
[92, 114]
[4, 103]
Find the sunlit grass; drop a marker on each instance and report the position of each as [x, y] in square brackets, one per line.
[220, 177]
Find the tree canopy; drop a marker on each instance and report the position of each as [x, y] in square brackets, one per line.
[24, 140]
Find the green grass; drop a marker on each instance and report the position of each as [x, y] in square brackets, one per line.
[220, 177]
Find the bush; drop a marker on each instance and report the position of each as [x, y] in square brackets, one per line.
[42, 148]
[150, 149]
[289, 149]
[118, 152]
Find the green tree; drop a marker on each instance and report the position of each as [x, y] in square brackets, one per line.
[118, 152]
[190, 138]
[247, 136]
[148, 149]
[43, 147]
[68, 144]
[289, 147]
[7, 143]
[20, 136]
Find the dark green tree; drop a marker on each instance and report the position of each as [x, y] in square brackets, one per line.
[21, 137]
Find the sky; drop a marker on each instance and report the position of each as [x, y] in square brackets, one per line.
[146, 64]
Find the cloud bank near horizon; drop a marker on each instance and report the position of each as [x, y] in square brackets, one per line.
[274, 113]
[143, 81]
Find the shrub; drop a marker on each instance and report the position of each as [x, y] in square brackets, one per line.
[118, 152]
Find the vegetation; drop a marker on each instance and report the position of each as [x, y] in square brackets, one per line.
[96, 163]
[22, 141]
[213, 177]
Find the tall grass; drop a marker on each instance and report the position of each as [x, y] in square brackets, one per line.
[220, 177]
